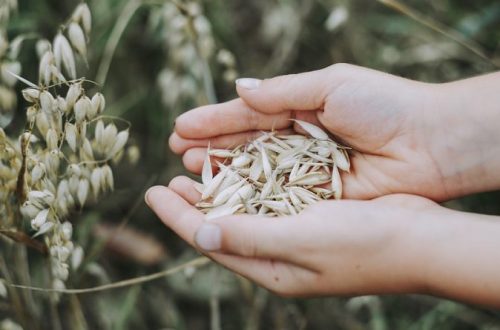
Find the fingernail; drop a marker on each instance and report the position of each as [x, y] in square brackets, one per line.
[248, 83]
[208, 237]
[147, 195]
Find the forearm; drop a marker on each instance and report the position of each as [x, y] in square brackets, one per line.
[466, 142]
[461, 257]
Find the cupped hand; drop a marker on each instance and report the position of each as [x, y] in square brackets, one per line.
[384, 118]
[362, 247]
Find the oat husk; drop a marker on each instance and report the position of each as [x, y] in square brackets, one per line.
[274, 175]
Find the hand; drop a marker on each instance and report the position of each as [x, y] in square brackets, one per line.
[393, 244]
[407, 135]
[377, 114]
[349, 253]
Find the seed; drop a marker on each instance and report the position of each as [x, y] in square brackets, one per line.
[98, 103]
[256, 169]
[312, 130]
[82, 107]
[37, 172]
[222, 153]
[266, 164]
[336, 183]
[31, 94]
[207, 174]
[108, 177]
[241, 195]
[241, 161]
[64, 55]
[221, 211]
[51, 139]
[224, 195]
[109, 136]
[46, 102]
[95, 180]
[42, 123]
[70, 134]
[77, 38]
[213, 184]
[40, 219]
[311, 179]
[77, 257]
[121, 140]
[74, 92]
[340, 159]
[82, 15]
[45, 228]
[83, 190]
[67, 231]
[46, 61]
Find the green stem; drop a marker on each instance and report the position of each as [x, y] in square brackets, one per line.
[440, 28]
[112, 43]
[198, 262]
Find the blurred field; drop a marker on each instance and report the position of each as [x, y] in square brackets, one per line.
[159, 68]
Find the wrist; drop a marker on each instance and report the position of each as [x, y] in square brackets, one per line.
[458, 256]
[464, 140]
[402, 266]
[416, 241]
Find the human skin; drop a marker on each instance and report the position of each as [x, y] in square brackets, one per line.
[437, 141]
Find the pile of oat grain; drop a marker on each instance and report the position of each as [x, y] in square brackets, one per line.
[274, 175]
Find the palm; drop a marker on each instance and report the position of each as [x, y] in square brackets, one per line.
[388, 143]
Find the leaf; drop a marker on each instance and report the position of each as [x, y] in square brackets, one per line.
[21, 79]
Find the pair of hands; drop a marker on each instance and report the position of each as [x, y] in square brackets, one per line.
[378, 241]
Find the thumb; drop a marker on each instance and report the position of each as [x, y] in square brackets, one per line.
[303, 91]
[245, 235]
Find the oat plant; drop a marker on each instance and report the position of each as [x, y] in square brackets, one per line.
[62, 160]
[9, 51]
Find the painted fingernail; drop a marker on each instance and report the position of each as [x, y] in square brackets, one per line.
[208, 237]
[248, 83]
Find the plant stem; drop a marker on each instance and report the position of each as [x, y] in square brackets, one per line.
[215, 301]
[109, 50]
[440, 28]
[197, 262]
[13, 292]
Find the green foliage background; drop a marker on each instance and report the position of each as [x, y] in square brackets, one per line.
[267, 38]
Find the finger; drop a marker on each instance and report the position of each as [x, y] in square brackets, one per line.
[179, 145]
[185, 187]
[249, 236]
[304, 91]
[193, 160]
[175, 212]
[227, 118]
[184, 219]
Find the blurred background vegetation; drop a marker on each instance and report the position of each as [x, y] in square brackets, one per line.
[165, 57]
